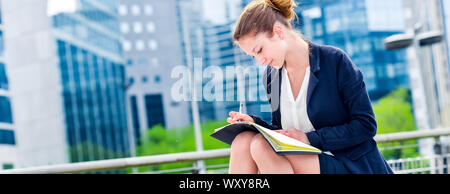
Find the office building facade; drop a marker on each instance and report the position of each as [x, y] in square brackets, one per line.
[67, 81]
[359, 27]
[152, 50]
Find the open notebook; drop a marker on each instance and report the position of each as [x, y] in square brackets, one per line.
[280, 143]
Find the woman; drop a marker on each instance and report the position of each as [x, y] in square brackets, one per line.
[317, 96]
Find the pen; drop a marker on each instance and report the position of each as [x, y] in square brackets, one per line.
[242, 108]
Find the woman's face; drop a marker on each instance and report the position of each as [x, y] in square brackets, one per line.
[266, 49]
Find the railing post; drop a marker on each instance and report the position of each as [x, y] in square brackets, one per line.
[438, 155]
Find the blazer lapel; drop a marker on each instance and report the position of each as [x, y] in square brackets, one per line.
[272, 84]
[314, 62]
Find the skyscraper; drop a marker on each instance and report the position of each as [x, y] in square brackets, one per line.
[152, 49]
[210, 39]
[67, 80]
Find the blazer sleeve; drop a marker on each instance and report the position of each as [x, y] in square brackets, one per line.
[361, 125]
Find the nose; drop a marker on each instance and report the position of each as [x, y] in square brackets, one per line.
[261, 60]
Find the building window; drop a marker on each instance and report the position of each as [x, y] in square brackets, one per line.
[157, 79]
[140, 45]
[7, 137]
[137, 27]
[126, 45]
[142, 61]
[3, 77]
[129, 62]
[152, 44]
[124, 27]
[155, 62]
[135, 119]
[150, 27]
[5, 110]
[8, 166]
[155, 110]
[390, 70]
[2, 48]
[131, 80]
[123, 10]
[148, 10]
[135, 10]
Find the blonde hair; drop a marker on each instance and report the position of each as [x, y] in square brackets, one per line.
[260, 16]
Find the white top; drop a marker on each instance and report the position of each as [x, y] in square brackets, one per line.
[294, 113]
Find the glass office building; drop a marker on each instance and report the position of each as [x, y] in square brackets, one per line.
[359, 27]
[211, 41]
[92, 75]
[152, 49]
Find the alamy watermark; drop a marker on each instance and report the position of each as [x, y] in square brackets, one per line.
[219, 84]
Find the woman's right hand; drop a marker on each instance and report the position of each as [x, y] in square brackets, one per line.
[235, 116]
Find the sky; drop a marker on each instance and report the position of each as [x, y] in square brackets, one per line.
[214, 10]
[57, 6]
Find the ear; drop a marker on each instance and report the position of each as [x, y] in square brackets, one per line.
[278, 31]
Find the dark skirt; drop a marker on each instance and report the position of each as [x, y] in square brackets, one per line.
[330, 165]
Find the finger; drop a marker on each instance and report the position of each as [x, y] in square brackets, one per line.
[232, 113]
[242, 117]
[238, 117]
[283, 132]
[230, 120]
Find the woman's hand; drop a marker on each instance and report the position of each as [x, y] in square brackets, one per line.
[296, 134]
[235, 116]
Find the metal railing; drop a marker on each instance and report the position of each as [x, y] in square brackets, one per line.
[122, 163]
[433, 164]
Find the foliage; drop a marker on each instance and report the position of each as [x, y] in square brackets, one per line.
[393, 113]
[159, 140]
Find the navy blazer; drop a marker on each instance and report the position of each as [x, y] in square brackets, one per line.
[338, 107]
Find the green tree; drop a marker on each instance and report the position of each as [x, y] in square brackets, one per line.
[393, 113]
[162, 141]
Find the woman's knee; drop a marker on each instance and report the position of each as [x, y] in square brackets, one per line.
[259, 146]
[241, 142]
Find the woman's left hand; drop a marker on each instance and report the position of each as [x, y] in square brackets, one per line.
[296, 134]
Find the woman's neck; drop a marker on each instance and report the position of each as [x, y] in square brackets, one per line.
[297, 56]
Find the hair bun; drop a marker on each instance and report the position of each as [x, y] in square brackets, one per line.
[285, 7]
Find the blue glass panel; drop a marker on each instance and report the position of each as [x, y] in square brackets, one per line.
[2, 47]
[5, 110]
[7, 137]
[3, 77]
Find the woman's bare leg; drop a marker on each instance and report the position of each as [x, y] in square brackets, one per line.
[266, 159]
[270, 162]
[304, 164]
[241, 162]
